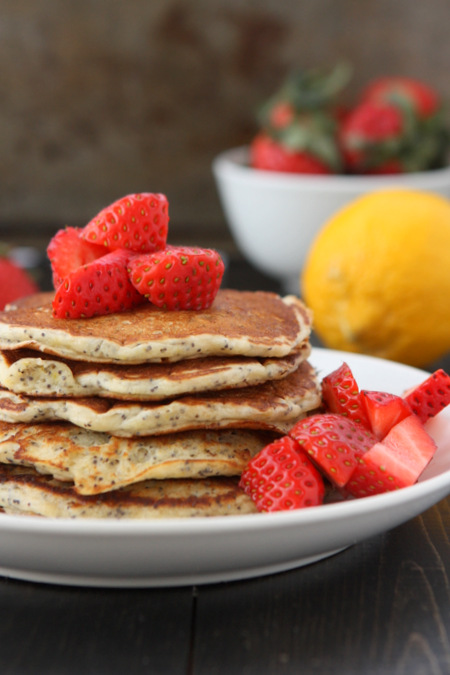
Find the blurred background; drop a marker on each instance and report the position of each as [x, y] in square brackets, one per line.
[101, 97]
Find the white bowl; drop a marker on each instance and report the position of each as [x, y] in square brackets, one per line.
[274, 217]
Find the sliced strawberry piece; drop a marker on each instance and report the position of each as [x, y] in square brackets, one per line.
[100, 287]
[341, 394]
[384, 410]
[67, 251]
[395, 462]
[179, 277]
[431, 396]
[281, 477]
[334, 442]
[136, 222]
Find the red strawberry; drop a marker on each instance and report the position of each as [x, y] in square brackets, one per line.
[298, 124]
[282, 114]
[341, 394]
[395, 462]
[383, 410]
[14, 282]
[371, 136]
[281, 477]
[334, 442]
[67, 251]
[179, 277]
[431, 396]
[423, 99]
[270, 155]
[137, 222]
[100, 287]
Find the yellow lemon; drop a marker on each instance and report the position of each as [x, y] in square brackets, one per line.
[377, 277]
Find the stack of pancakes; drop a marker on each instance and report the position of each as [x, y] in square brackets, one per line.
[147, 413]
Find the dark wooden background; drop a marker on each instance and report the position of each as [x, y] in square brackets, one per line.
[99, 98]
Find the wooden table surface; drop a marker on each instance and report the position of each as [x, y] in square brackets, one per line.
[379, 607]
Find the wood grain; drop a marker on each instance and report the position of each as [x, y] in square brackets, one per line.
[379, 607]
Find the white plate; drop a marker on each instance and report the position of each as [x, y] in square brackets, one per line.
[205, 550]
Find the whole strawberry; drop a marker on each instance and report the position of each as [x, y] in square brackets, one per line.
[372, 136]
[136, 222]
[100, 287]
[14, 282]
[298, 125]
[179, 277]
[397, 127]
[267, 154]
[422, 99]
[281, 478]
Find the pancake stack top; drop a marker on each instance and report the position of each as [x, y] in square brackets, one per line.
[139, 388]
[147, 413]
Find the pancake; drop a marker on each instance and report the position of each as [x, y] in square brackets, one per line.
[275, 405]
[97, 462]
[25, 371]
[238, 323]
[24, 491]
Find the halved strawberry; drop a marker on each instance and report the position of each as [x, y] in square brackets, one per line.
[431, 396]
[281, 477]
[334, 442]
[179, 277]
[395, 462]
[136, 222]
[100, 287]
[67, 251]
[383, 410]
[341, 394]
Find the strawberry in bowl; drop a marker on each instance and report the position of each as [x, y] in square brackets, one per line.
[298, 125]
[312, 153]
[397, 126]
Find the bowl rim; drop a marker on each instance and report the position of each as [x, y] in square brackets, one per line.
[233, 164]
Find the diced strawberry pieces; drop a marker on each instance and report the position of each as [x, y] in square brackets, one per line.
[334, 443]
[67, 251]
[281, 478]
[341, 394]
[384, 410]
[179, 277]
[136, 222]
[395, 462]
[431, 396]
[100, 287]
